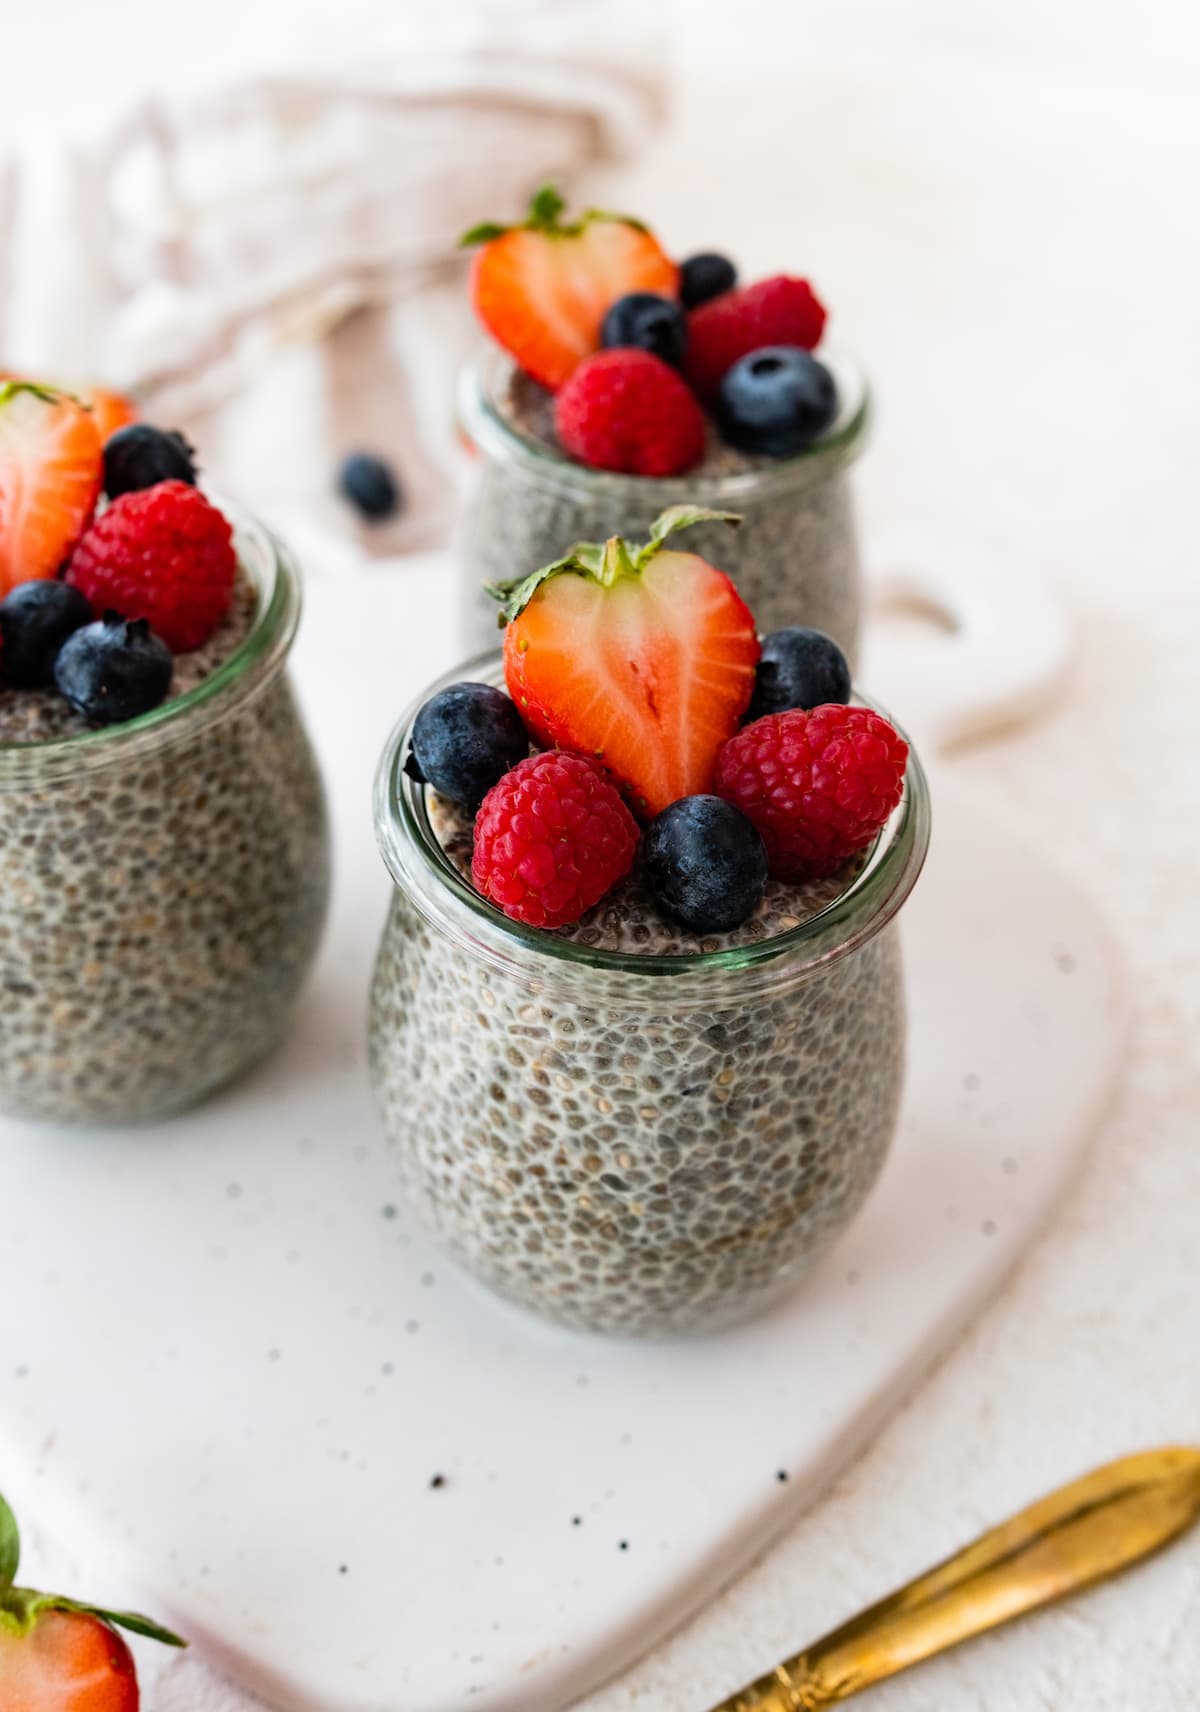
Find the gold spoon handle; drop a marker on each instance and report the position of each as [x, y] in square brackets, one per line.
[1079, 1535]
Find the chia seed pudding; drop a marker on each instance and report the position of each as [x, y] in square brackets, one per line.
[795, 559]
[163, 882]
[618, 1126]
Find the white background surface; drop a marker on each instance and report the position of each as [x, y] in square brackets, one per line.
[999, 202]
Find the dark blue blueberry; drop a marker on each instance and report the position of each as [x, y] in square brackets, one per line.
[464, 740]
[798, 668]
[776, 401]
[114, 669]
[370, 485]
[35, 620]
[649, 323]
[139, 456]
[704, 276]
[705, 864]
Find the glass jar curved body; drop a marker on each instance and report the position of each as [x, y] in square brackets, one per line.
[795, 557]
[163, 886]
[640, 1145]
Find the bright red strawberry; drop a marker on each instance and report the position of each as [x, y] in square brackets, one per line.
[776, 311]
[551, 838]
[162, 553]
[628, 410]
[639, 656]
[50, 474]
[818, 785]
[542, 288]
[58, 1655]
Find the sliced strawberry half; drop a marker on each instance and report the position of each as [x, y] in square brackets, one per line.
[542, 288]
[641, 656]
[51, 467]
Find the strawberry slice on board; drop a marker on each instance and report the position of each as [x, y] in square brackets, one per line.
[641, 656]
[51, 468]
[542, 288]
[59, 1655]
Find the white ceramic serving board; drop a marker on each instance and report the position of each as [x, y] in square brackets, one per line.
[229, 1359]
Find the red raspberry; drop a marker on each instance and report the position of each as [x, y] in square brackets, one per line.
[818, 785]
[551, 838]
[164, 554]
[627, 410]
[776, 311]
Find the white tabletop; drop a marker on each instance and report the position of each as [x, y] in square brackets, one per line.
[1000, 209]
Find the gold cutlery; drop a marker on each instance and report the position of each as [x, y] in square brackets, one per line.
[1079, 1535]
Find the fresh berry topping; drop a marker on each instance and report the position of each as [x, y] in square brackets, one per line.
[705, 864]
[35, 621]
[704, 276]
[643, 321]
[49, 479]
[639, 656]
[551, 839]
[114, 669]
[464, 740]
[370, 485]
[110, 411]
[776, 401]
[818, 785]
[628, 411]
[61, 1655]
[164, 554]
[776, 311]
[542, 288]
[799, 668]
[139, 456]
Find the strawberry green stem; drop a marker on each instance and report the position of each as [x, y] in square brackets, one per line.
[11, 389]
[546, 208]
[605, 562]
[20, 1607]
[10, 1547]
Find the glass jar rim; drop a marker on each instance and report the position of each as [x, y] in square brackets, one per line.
[254, 661]
[422, 870]
[487, 426]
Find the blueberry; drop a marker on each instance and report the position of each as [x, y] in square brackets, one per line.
[114, 669]
[649, 323]
[370, 485]
[35, 620]
[798, 668]
[705, 864]
[776, 401]
[464, 740]
[139, 456]
[704, 276]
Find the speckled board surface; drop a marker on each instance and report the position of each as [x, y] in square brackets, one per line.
[236, 1371]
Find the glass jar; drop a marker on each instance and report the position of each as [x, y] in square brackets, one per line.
[163, 884]
[628, 1143]
[795, 557]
